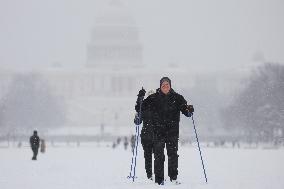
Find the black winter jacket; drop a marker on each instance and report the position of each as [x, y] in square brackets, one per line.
[169, 106]
[34, 141]
[163, 111]
[149, 116]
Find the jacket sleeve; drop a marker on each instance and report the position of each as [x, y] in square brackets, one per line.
[145, 103]
[137, 106]
[183, 105]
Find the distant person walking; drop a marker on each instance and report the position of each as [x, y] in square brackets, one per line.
[125, 143]
[34, 142]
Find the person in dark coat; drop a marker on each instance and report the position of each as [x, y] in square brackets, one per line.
[147, 134]
[125, 143]
[132, 142]
[34, 142]
[167, 104]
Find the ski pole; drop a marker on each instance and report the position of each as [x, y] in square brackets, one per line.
[136, 147]
[134, 151]
[137, 137]
[130, 175]
[199, 148]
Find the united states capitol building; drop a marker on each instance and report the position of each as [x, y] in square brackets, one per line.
[101, 94]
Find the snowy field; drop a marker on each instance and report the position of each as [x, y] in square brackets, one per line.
[93, 166]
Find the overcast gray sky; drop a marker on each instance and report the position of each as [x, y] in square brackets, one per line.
[218, 34]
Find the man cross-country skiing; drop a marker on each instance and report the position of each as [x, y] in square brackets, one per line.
[167, 105]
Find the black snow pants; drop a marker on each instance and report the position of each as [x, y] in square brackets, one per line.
[35, 152]
[169, 138]
[148, 147]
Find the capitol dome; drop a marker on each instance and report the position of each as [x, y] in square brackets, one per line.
[114, 39]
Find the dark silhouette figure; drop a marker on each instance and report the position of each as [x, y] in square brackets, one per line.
[34, 142]
[132, 142]
[125, 143]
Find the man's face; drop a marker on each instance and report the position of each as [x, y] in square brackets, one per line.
[165, 87]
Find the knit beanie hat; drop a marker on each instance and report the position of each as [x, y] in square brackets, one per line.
[165, 79]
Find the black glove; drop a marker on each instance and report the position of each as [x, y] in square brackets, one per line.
[190, 108]
[141, 93]
[188, 114]
[137, 119]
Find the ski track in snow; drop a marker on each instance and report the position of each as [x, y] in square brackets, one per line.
[93, 166]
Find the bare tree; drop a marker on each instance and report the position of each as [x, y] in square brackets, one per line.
[259, 108]
[30, 104]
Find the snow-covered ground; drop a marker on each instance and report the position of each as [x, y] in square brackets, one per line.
[93, 166]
